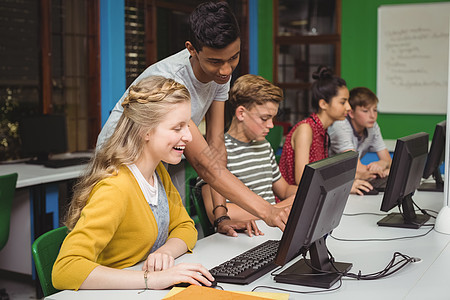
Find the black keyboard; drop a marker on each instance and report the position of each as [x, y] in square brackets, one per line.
[248, 266]
[66, 162]
[379, 183]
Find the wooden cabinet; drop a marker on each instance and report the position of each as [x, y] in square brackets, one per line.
[307, 33]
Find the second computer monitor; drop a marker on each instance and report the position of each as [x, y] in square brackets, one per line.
[434, 160]
[317, 209]
[42, 135]
[404, 178]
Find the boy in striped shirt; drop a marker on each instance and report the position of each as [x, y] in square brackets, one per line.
[254, 101]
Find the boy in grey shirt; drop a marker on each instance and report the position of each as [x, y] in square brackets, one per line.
[360, 132]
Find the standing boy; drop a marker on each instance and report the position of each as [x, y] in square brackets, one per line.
[360, 132]
[250, 157]
[205, 68]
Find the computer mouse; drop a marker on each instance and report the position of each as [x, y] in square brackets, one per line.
[370, 192]
[186, 284]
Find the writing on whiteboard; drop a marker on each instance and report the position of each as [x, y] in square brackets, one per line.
[413, 58]
[407, 51]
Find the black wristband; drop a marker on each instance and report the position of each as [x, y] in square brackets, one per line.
[220, 205]
[220, 219]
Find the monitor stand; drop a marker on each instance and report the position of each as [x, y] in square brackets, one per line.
[407, 219]
[324, 274]
[437, 186]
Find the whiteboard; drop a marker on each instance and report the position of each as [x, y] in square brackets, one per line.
[413, 58]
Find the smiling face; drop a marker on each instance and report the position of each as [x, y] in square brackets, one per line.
[212, 64]
[167, 141]
[255, 123]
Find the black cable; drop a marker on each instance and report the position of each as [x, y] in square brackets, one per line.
[386, 239]
[273, 272]
[424, 211]
[364, 213]
[300, 292]
[392, 267]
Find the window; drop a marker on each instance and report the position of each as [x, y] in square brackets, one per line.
[49, 65]
[155, 29]
[306, 35]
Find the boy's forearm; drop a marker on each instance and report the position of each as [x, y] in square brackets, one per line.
[219, 207]
[210, 164]
[225, 183]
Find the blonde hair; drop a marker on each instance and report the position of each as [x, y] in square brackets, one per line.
[249, 90]
[146, 105]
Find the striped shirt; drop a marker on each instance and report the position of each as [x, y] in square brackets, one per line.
[254, 164]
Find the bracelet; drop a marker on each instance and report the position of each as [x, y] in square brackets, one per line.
[220, 205]
[220, 219]
[146, 283]
[145, 279]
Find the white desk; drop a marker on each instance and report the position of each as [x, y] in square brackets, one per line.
[30, 175]
[29, 199]
[428, 278]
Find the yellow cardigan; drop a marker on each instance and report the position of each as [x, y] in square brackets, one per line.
[117, 229]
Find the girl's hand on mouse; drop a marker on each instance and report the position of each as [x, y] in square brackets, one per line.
[195, 274]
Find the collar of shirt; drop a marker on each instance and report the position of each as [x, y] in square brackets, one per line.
[362, 137]
[150, 192]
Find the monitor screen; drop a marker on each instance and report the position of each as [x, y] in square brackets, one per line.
[317, 209]
[43, 135]
[435, 158]
[404, 178]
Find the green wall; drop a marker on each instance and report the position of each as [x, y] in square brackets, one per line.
[358, 58]
[359, 63]
[265, 39]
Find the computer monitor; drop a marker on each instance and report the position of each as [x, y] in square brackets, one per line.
[317, 209]
[42, 135]
[434, 160]
[404, 178]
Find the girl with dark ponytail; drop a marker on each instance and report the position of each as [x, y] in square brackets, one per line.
[308, 140]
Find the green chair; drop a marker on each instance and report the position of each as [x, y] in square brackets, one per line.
[7, 189]
[190, 181]
[45, 249]
[197, 200]
[275, 137]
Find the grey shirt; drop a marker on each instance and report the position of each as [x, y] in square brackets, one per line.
[343, 137]
[178, 68]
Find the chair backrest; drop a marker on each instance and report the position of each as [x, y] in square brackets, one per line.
[45, 249]
[7, 189]
[197, 200]
[275, 136]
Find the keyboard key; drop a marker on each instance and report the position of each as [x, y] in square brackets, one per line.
[248, 266]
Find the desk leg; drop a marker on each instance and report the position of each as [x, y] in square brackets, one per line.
[41, 223]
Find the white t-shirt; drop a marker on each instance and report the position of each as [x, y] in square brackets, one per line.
[178, 68]
[343, 137]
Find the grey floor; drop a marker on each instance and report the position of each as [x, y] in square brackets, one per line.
[18, 287]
